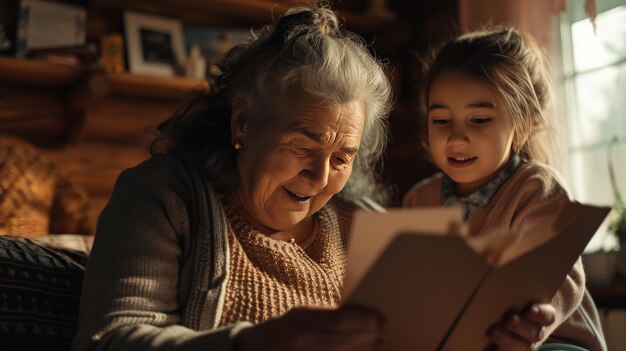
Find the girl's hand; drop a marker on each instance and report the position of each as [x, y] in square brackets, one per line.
[519, 331]
[314, 328]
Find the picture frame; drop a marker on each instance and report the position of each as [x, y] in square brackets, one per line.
[44, 24]
[214, 43]
[155, 44]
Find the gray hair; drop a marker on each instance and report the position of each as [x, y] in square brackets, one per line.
[307, 50]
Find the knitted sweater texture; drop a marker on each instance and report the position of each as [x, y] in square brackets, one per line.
[269, 277]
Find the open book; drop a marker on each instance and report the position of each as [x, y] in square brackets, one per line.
[442, 292]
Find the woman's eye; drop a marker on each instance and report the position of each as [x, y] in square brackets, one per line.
[481, 120]
[440, 121]
[341, 160]
[302, 151]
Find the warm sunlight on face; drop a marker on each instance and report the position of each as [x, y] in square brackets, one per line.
[469, 131]
[291, 166]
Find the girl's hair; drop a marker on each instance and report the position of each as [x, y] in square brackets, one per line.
[511, 63]
[306, 50]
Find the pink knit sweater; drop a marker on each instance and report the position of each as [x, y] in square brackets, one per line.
[534, 194]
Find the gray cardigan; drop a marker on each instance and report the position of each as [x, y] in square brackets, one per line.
[155, 276]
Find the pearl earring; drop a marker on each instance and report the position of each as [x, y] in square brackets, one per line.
[237, 145]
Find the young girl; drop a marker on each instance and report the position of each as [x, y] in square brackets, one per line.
[485, 100]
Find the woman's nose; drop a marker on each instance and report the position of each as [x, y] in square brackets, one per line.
[458, 136]
[317, 172]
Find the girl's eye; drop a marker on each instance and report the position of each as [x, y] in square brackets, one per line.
[481, 120]
[440, 121]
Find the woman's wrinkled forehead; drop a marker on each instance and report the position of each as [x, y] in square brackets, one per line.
[314, 111]
[322, 121]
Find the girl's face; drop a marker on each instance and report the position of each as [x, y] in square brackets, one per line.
[292, 165]
[469, 130]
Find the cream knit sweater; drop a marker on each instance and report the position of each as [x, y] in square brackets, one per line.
[268, 277]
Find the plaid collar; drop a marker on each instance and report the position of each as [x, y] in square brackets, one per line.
[481, 197]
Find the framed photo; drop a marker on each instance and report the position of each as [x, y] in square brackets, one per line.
[44, 24]
[214, 42]
[155, 44]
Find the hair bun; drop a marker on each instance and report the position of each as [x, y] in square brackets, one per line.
[321, 18]
[326, 20]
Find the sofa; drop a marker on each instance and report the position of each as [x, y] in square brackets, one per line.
[40, 284]
[40, 273]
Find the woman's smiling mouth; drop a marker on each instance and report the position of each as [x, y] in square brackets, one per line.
[298, 197]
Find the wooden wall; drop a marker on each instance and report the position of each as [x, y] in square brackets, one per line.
[115, 135]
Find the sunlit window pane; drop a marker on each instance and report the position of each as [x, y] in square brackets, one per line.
[600, 107]
[606, 46]
[590, 181]
[595, 85]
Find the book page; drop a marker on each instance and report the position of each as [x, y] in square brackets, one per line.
[373, 231]
[530, 274]
[436, 292]
[420, 284]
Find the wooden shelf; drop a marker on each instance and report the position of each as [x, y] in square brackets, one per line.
[38, 93]
[45, 74]
[236, 12]
[153, 87]
[38, 73]
[69, 92]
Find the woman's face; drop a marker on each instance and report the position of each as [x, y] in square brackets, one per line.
[469, 131]
[293, 164]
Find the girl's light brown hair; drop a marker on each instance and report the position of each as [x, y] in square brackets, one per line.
[511, 63]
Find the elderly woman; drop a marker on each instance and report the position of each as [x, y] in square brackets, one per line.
[241, 220]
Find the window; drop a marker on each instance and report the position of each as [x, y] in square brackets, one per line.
[594, 77]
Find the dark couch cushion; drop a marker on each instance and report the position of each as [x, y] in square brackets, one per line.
[39, 295]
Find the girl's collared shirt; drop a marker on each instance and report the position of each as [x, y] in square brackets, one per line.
[481, 197]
